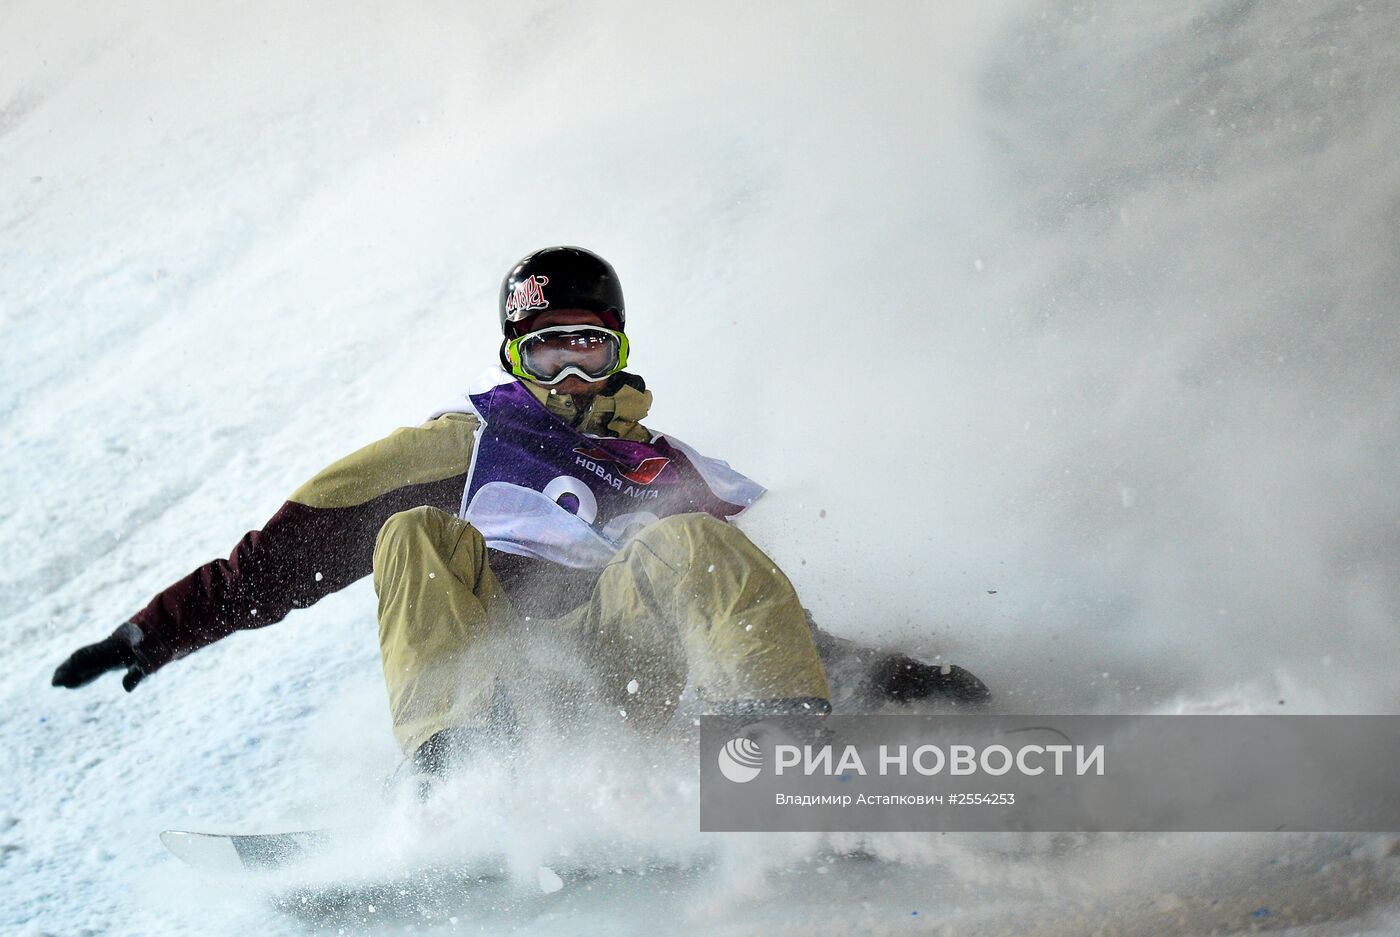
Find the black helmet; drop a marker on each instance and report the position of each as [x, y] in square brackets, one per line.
[561, 278]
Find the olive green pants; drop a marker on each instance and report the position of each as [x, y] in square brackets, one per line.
[688, 596]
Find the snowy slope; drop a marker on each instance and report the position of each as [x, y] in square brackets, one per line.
[1062, 334]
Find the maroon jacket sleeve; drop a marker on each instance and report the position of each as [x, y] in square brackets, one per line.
[301, 555]
[319, 542]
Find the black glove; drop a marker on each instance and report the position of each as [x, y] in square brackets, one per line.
[115, 652]
[902, 678]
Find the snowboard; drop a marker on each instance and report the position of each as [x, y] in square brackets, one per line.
[237, 852]
[263, 852]
[482, 889]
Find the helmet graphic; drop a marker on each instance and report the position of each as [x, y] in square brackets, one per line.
[560, 278]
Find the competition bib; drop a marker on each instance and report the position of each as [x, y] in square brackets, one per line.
[538, 487]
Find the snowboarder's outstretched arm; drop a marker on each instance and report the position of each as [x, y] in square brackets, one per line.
[318, 542]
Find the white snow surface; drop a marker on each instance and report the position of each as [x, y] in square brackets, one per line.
[1063, 335]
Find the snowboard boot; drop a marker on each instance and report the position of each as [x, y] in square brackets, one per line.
[864, 677]
[903, 679]
[443, 754]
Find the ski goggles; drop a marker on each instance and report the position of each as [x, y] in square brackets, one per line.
[552, 354]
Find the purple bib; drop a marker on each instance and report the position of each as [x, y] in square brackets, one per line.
[538, 487]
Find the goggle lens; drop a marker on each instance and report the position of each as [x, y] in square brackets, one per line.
[589, 351]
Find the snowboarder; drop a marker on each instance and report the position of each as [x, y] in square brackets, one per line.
[538, 501]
